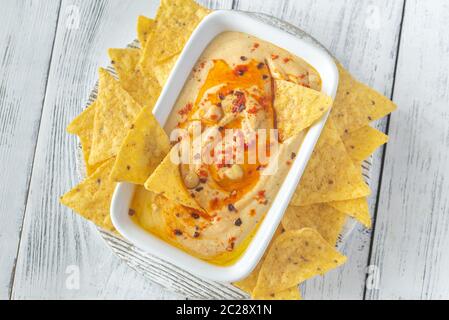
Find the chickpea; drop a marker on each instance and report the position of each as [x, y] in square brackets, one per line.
[234, 173]
[190, 177]
[214, 113]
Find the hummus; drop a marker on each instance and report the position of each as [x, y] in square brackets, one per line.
[230, 88]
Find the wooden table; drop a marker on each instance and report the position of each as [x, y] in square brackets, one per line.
[49, 55]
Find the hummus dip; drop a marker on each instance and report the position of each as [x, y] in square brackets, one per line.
[230, 88]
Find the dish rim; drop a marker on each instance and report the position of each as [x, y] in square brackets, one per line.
[216, 23]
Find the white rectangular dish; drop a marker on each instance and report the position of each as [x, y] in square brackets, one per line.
[213, 25]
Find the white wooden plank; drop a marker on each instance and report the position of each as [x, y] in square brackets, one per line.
[412, 232]
[56, 243]
[363, 35]
[54, 239]
[26, 41]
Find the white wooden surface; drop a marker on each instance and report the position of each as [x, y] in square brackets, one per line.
[49, 53]
[411, 239]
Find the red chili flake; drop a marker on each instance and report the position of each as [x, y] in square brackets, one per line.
[260, 65]
[293, 155]
[289, 163]
[221, 96]
[196, 235]
[287, 60]
[261, 197]
[274, 56]
[177, 232]
[231, 207]
[187, 108]
[243, 58]
[238, 222]
[253, 110]
[203, 173]
[131, 212]
[240, 70]
[252, 213]
[265, 77]
[255, 46]
[195, 215]
[231, 244]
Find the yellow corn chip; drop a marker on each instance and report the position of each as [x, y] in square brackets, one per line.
[145, 89]
[145, 27]
[363, 142]
[162, 69]
[142, 150]
[330, 174]
[115, 114]
[297, 107]
[288, 294]
[356, 105]
[249, 283]
[83, 127]
[92, 197]
[166, 180]
[295, 257]
[175, 21]
[326, 220]
[356, 208]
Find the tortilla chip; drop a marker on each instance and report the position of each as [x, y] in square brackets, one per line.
[249, 283]
[115, 114]
[162, 70]
[83, 127]
[356, 208]
[297, 107]
[92, 197]
[330, 174]
[288, 294]
[144, 89]
[175, 22]
[166, 180]
[295, 257]
[356, 105]
[326, 220]
[363, 142]
[145, 27]
[142, 150]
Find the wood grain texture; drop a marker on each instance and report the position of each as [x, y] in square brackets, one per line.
[412, 234]
[26, 41]
[363, 35]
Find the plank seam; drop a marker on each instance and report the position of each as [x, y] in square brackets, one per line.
[13, 273]
[384, 152]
